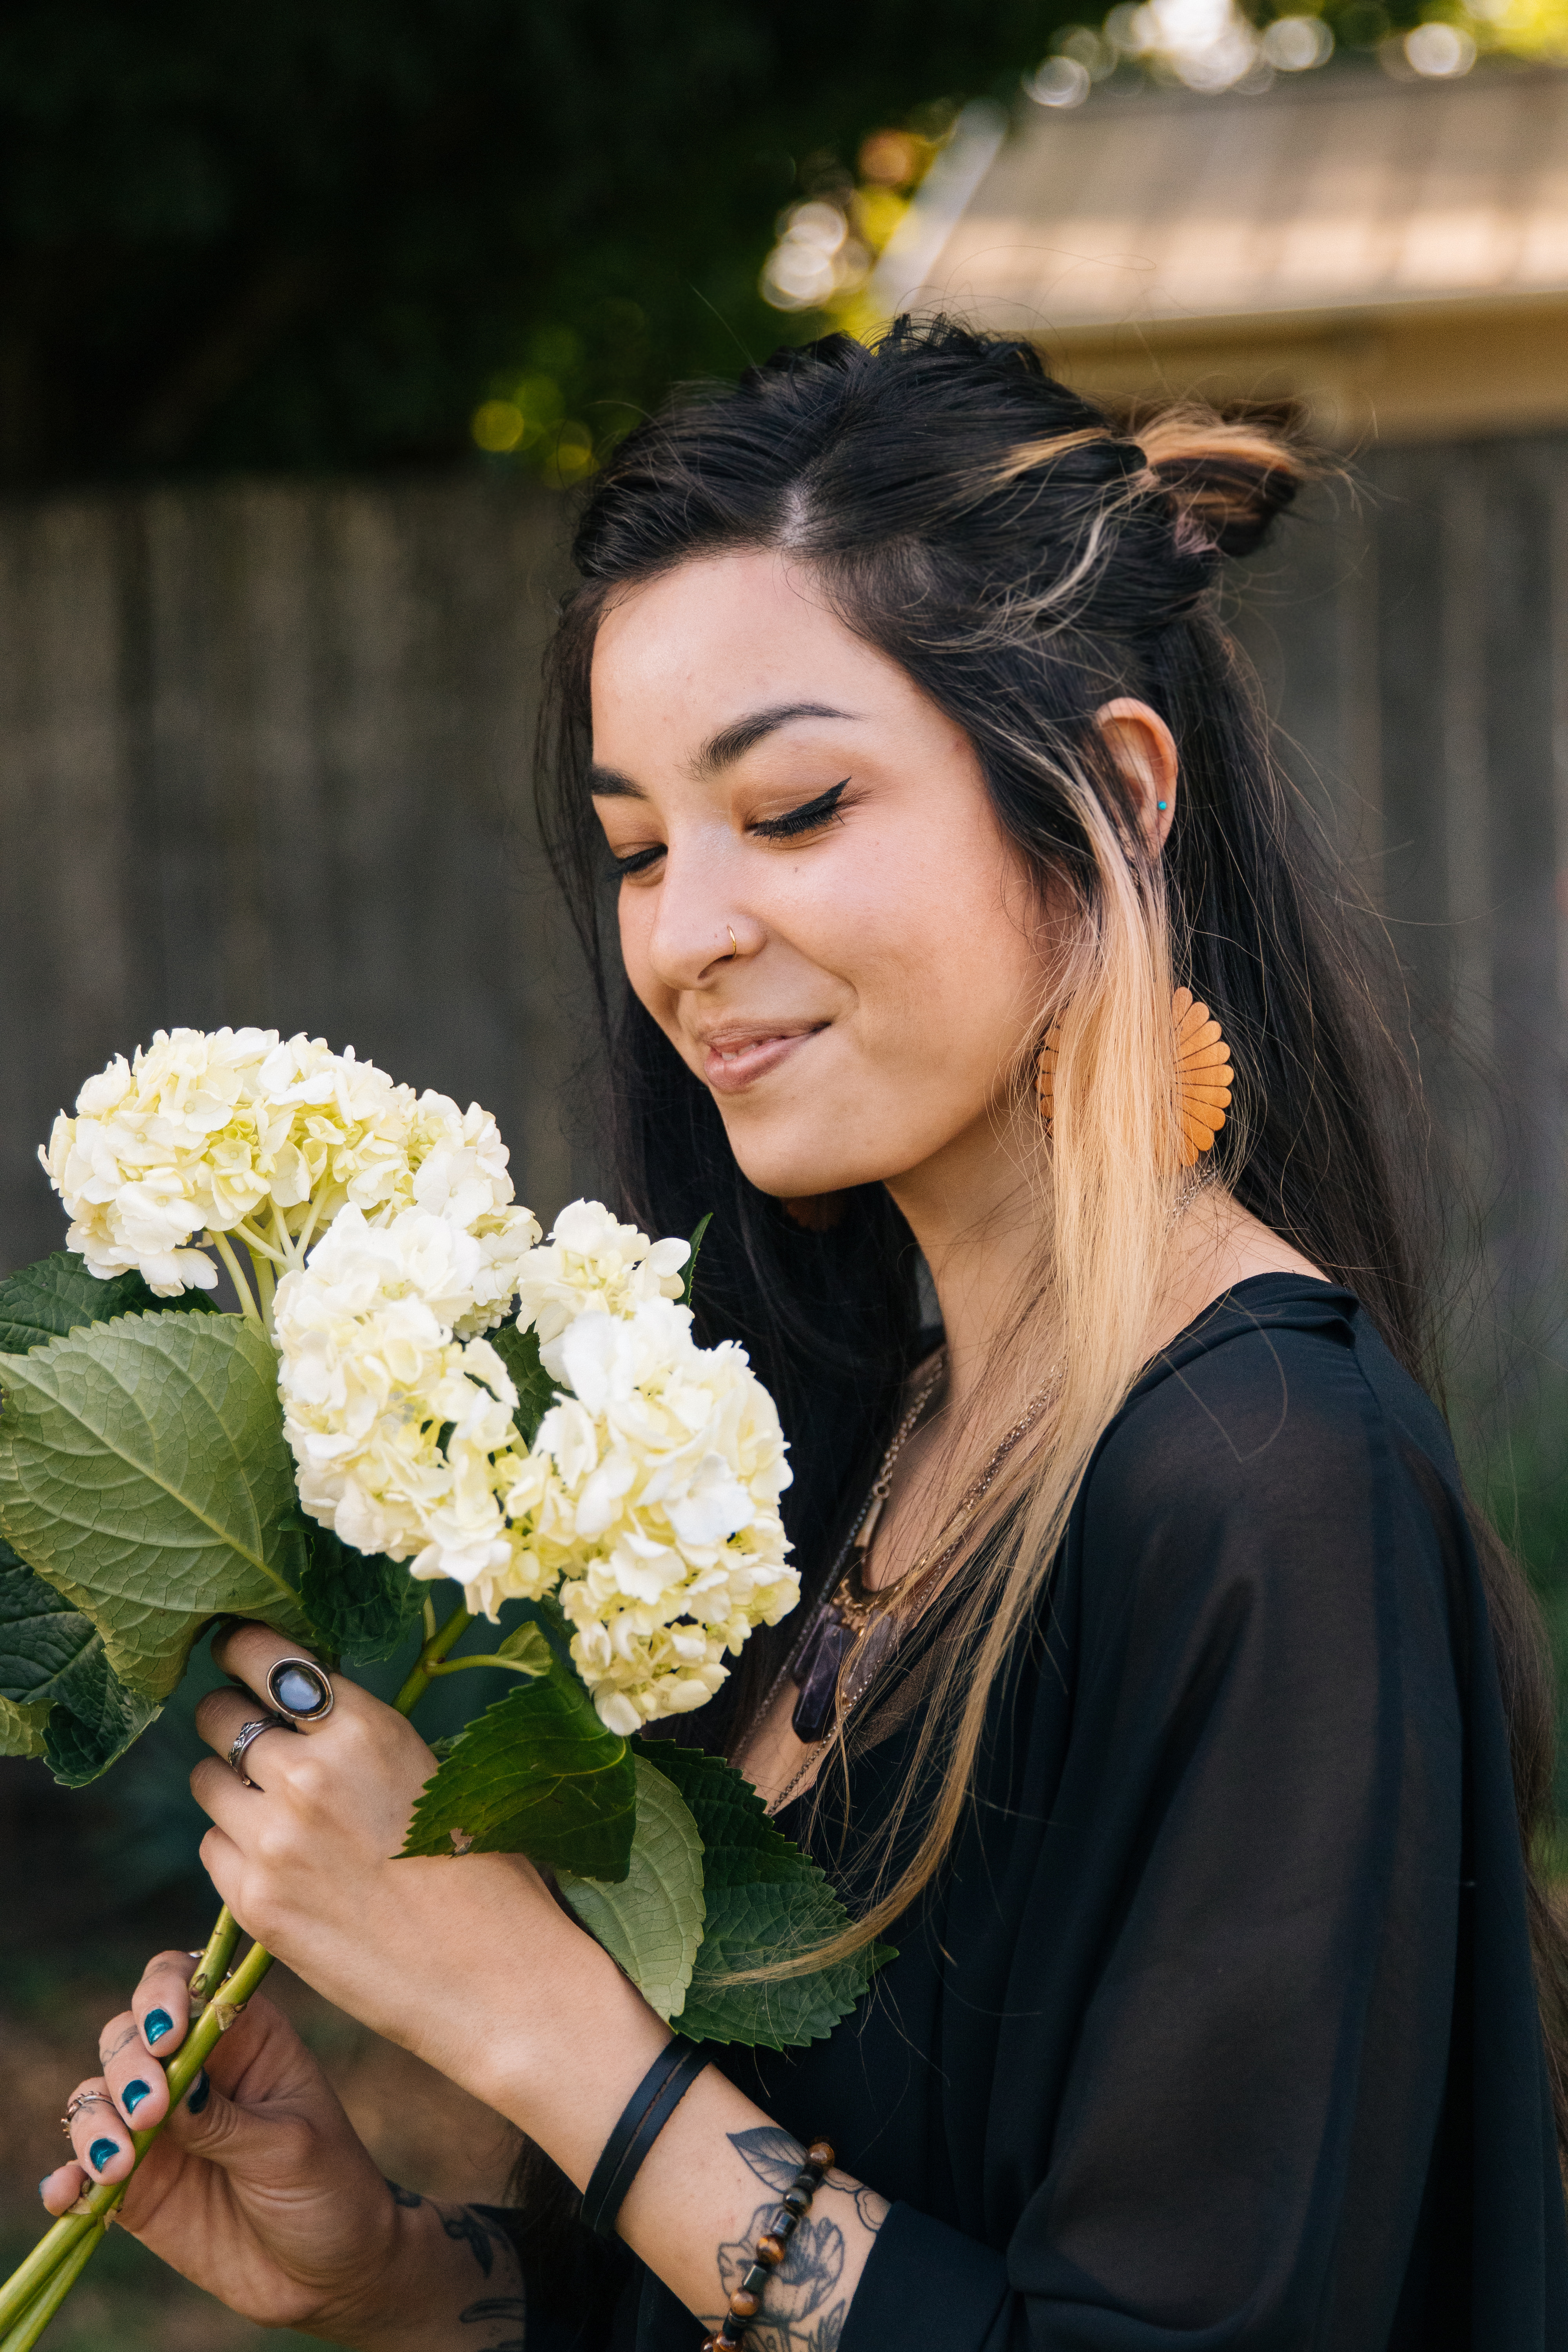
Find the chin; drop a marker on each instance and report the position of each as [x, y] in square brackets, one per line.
[794, 1175]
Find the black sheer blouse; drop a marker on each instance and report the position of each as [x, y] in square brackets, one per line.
[1219, 2034]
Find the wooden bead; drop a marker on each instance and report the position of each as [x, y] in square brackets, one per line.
[771, 2250]
[744, 2305]
[819, 2156]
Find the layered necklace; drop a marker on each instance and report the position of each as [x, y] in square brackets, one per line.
[858, 1626]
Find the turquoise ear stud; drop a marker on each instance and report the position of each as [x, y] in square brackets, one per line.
[1161, 806]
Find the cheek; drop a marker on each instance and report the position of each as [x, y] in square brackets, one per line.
[941, 984]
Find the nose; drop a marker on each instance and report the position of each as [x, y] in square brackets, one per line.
[698, 928]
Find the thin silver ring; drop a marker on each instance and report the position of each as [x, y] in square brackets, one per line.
[80, 2100]
[246, 1736]
[314, 1674]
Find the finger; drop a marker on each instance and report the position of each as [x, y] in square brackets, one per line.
[61, 2189]
[248, 1652]
[135, 2084]
[161, 2003]
[99, 2134]
[224, 1796]
[222, 1716]
[242, 2106]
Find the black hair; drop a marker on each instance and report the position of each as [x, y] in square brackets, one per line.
[1023, 556]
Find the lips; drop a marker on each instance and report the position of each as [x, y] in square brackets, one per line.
[732, 1063]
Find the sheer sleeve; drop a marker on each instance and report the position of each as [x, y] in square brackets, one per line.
[1246, 1895]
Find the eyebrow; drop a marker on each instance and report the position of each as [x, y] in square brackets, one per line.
[721, 750]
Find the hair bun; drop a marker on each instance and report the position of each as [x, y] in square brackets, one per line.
[1226, 480]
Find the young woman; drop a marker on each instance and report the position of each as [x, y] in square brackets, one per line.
[1167, 1716]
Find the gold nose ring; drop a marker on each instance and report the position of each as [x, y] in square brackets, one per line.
[734, 950]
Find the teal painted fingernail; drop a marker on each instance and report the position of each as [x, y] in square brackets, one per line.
[155, 2025]
[132, 2096]
[102, 2152]
[45, 2182]
[201, 2092]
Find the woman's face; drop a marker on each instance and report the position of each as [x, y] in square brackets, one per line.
[766, 780]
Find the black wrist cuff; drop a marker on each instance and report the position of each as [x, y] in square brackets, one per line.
[642, 2119]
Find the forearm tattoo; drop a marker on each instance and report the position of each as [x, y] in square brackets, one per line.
[493, 2252]
[806, 2301]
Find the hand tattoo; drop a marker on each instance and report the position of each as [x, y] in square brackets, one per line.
[466, 2224]
[802, 2309]
[497, 2306]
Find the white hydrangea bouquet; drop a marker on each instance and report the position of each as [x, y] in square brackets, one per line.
[417, 1390]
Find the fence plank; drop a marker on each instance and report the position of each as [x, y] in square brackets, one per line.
[264, 757]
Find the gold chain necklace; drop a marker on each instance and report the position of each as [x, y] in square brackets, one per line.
[852, 1631]
[859, 1605]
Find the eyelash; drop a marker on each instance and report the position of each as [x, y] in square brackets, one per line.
[810, 817]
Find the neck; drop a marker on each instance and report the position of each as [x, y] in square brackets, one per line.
[974, 1217]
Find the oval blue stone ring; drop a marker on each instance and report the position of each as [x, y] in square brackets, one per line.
[299, 1689]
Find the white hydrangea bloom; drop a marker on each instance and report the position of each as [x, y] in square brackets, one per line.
[668, 1464]
[591, 1261]
[204, 1134]
[371, 1373]
[648, 1502]
[180, 1140]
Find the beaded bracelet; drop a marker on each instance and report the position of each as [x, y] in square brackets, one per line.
[772, 2246]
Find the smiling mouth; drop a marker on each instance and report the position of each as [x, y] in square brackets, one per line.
[732, 1063]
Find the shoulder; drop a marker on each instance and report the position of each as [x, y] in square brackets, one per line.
[1276, 1461]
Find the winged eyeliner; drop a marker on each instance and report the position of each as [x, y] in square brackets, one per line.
[805, 819]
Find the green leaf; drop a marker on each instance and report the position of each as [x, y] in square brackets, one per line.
[536, 1774]
[58, 1295]
[55, 1677]
[767, 1901]
[363, 1604]
[518, 1351]
[526, 1646]
[144, 1473]
[652, 1921]
[22, 1729]
[697, 1233]
[81, 1743]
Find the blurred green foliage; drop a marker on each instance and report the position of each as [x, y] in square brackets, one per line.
[318, 234]
[323, 233]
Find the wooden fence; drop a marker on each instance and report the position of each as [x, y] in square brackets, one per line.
[1412, 637]
[263, 756]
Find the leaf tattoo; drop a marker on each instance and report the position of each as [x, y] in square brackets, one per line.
[465, 2225]
[805, 2312]
[509, 2307]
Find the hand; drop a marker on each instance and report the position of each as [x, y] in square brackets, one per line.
[470, 1962]
[258, 2188]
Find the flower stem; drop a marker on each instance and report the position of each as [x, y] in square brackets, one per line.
[429, 1658]
[265, 1283]
[32, 2322]
[257, 1243]
[484, 1658]
[40, 2284]
[242, 1288]
[217, 1960]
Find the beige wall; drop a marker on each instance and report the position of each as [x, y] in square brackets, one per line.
[1388, 377]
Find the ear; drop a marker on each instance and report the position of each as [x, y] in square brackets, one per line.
[1144, 752]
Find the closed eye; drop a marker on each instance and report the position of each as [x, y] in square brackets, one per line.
[640, 859]
[809, 817]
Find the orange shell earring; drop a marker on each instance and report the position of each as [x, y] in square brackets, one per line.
[1204, 1076]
